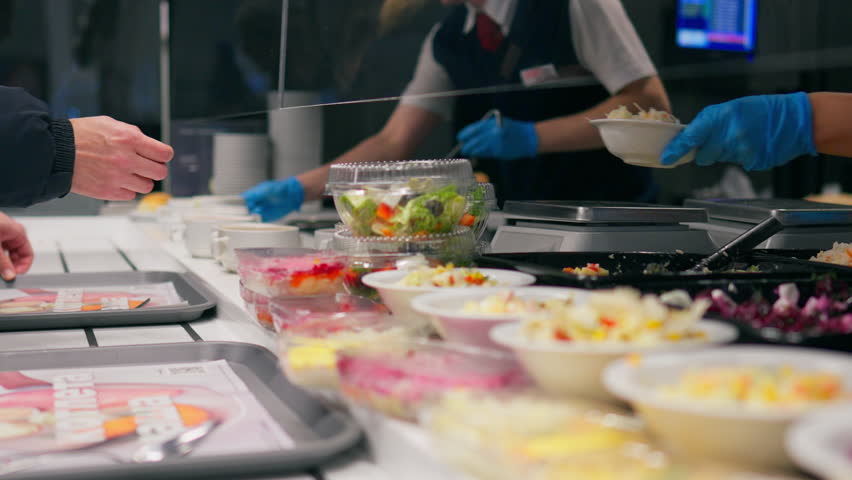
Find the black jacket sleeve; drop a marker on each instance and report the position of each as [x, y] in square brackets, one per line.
[36, 152]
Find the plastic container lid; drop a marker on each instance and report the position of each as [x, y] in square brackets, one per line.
[345, 176]
[405, 376]
[488, 197]
[290, 271]
[459, 244]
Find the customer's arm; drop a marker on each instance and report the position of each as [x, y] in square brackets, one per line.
[43, 158]
[36, 152]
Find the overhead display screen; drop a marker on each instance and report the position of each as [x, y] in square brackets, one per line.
[717, 24]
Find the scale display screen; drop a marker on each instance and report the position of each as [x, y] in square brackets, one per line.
[717, 24]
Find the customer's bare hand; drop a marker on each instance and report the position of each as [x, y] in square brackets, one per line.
[115, 160]
[16, 253]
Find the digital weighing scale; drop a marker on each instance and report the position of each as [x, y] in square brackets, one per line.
[570, 226]
[731, 217]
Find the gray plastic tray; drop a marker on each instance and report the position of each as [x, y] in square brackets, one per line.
[319, 433]
[188, 286]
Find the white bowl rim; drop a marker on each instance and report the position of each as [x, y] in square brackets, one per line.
[379, 280]
[508, 335]
[424, 303]
[633, 121]
[803, 445]
[618, 379]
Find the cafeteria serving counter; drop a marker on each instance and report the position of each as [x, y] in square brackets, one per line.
[115, 244]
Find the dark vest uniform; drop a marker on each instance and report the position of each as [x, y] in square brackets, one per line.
[539, 35]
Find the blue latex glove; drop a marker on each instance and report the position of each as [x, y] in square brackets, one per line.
[485, 138]
[275, 198]
[758, 132]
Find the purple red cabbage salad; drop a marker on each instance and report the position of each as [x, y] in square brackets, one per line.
[827, 311]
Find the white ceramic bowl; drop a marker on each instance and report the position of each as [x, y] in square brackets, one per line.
[821, 443]
[640, 142]
[445, 310]
[398, 297]
[728, 434]
[575, 368]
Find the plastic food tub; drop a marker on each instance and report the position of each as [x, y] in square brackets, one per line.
[276, 272]
[258, 307]
[527, 435]
[374, 254]
[728, 433]
[406, 376]
[290, 312]
[308, 349]
[390, 199]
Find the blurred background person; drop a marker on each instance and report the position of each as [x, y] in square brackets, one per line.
[486, 44]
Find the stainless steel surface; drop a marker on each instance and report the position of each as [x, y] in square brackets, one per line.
[602, 212]
[790, 212]
[600, 238]
[176, 446]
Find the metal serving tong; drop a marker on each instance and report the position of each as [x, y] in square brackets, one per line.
[493, 112]
[777, 221]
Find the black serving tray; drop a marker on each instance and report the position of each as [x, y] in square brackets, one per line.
[626, 268]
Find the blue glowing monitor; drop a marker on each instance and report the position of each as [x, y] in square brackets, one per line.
[717, 24]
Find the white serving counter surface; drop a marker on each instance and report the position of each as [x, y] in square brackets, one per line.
[111, 243]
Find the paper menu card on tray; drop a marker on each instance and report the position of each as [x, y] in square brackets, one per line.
[105, 414]
[88, 299]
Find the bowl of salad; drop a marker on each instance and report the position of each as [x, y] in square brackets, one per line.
[566, 347]
[467, 316]
[640, 138]
[393, 199]
[731, 404]
[398, 288]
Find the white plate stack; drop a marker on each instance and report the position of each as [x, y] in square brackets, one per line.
[240, 161]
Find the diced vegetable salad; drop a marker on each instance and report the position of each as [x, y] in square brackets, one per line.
[370, 212]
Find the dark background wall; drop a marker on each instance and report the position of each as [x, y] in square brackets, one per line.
[101, 57]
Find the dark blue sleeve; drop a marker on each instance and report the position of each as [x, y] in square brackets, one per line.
[36, 152]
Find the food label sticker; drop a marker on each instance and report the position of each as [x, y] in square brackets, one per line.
[12, 294]
[538, 75]
[69, 300]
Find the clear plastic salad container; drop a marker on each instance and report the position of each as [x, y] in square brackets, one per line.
[375, 254]
[524, 435]
[481, 201]
[293, 311]
[391, 199]
[258, 306]
[278, 272]
[308, 350]
[405, 376]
